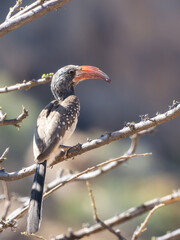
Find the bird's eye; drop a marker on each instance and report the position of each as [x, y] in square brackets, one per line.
[72, 72]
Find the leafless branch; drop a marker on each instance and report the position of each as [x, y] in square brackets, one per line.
[18, 174]
[3, 156]
[28, 8]
[33, 235]
[143, 125]
[121, 218]
[97, 219]
[92, 201]
[30, 170]
[25, 85]
[100, 165]
[104, 139]
[175, 235]
[120, 134]
[52, 187]
[142, 228]
[15, 121]
[89, 174]
[13, 9]
[7, 201]
[33, 13]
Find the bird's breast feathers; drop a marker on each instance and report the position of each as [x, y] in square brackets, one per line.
[55, 124]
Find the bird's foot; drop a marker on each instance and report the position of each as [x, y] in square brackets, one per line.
[66, 149]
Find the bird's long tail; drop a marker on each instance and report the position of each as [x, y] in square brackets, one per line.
[35, 205]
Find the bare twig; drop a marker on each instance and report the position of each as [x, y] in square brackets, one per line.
[142, 228]
[28, 8]
[97, 219]
[2, 197]
[13, 9]
[25, 85]
[123, 133]
[105, 139]
[30, 170]
[18, 174]
[51, 188]
[92, 201]
[71, 179]
[29, 16]
[15, 121]
[121, 218]
[7, 201]
[3, 156]
[87, 175]
[175, 235]
[33, 235]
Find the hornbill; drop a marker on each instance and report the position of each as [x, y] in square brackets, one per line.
[55, 124]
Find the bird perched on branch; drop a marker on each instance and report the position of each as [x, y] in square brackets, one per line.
[55, 124]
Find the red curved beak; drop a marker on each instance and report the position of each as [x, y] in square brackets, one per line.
[90, 72]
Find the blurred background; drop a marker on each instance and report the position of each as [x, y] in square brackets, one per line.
[137, 44]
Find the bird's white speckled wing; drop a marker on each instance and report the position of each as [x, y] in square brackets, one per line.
[55, 123]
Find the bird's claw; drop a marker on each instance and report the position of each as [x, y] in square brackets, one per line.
[66, 149]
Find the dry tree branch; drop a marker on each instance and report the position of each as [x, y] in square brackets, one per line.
[132, 129]
[33, 13]
[28, 8]
[13, 9]
[97, 219]
[175, 235]
[121, 218]
[100, 165]
[15, 121]
[7, 202]
[33, 235]
[18, 174]
[142, 228]
[51, 188]
[25, 85]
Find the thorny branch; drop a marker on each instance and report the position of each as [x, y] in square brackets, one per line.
[15, 121]
[37, 10]
[52, 187]
[28, 8]
[121, 218]
[13, 9]
[120, 134]
[97, 219]
[7, 202]
[25, 85]
[142, 228]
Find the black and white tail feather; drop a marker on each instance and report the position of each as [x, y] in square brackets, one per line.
[35, 208]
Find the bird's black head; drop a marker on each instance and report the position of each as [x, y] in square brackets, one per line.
[66, 78]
